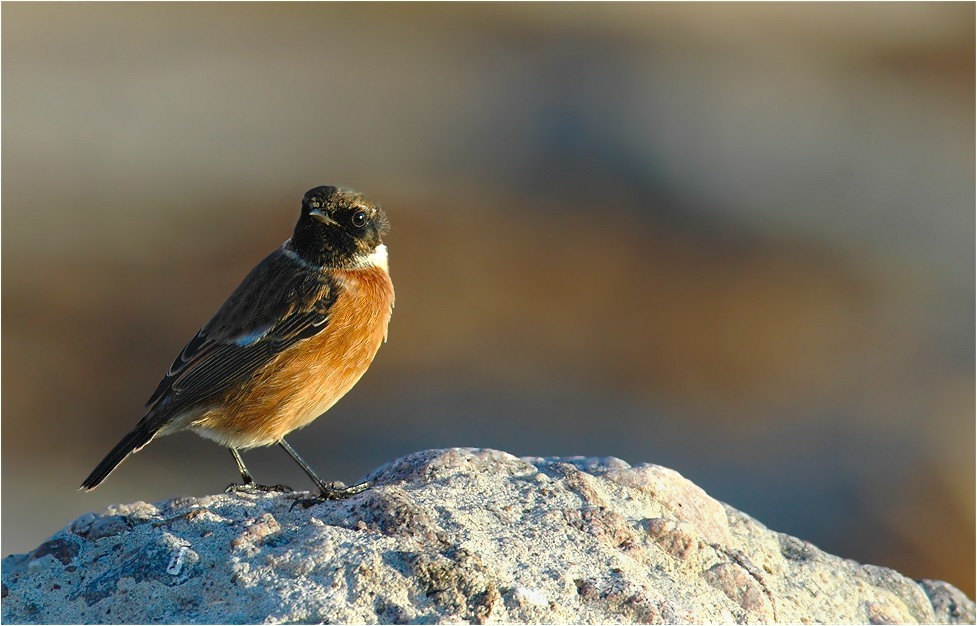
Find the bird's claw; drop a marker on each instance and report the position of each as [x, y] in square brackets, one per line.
[332, 491]
[256, 488]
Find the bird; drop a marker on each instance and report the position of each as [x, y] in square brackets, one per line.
[293, 338]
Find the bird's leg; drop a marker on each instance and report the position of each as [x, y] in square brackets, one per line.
[249, 485]
[241, 467]
[327, 491]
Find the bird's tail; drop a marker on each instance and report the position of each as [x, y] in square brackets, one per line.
[133, 442]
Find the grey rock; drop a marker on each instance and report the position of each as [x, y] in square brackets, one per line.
[458, 535]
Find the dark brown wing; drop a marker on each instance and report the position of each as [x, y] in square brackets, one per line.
[278, 304]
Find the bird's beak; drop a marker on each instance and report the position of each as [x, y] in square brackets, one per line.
[320, 216]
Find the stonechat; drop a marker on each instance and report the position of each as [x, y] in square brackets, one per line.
[292, 339]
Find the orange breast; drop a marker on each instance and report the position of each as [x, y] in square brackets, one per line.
[308, 378]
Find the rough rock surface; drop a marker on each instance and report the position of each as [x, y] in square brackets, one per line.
[458, 535]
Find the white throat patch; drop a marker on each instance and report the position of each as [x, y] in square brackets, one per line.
[377, 258]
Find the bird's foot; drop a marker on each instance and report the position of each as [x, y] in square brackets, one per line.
[339, 491]
[256, 488]
[332, 491]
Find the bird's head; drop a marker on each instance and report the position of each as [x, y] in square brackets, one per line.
[340, 228]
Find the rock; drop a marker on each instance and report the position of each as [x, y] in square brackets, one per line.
[458, 535]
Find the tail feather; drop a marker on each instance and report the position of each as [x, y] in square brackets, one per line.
[139, 437]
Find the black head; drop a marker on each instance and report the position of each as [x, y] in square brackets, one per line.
[338, 228]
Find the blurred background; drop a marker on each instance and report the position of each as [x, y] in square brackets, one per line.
[736, 240]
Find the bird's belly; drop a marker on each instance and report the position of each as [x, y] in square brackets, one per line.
[311, 376]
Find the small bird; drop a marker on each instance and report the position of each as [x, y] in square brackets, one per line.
[292, 339]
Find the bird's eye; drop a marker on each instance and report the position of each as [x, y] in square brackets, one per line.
[359, 219]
